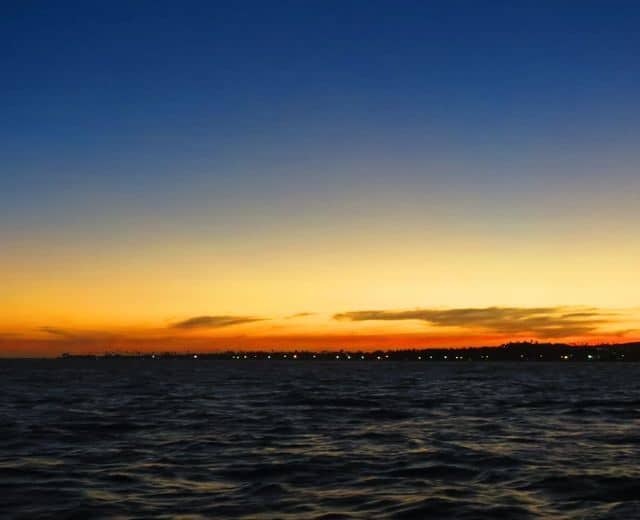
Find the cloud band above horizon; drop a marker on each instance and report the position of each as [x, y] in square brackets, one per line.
[214, 322]
[545, 322]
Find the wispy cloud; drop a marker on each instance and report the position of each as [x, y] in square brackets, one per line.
[56, 331]
[300, 315]
[547, 322]
[214, 322]
[76, 335]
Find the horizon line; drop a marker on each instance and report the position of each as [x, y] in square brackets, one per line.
[321, 352]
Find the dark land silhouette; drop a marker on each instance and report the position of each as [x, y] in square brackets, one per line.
[529, 351]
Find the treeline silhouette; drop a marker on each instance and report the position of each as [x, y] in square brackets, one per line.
[514, 351]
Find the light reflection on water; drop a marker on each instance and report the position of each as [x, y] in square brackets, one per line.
[267, 439]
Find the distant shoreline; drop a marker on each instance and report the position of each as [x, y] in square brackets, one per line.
[515, 351]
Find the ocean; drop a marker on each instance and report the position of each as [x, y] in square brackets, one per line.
[193, 438]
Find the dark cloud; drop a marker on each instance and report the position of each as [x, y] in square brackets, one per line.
[214, 322]
[301, 315]
[77, 336]
[55, 331]
[590, 314]
[547, 322]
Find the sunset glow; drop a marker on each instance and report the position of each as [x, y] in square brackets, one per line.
[227, 189]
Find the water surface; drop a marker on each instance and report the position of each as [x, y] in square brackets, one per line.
[318, 440]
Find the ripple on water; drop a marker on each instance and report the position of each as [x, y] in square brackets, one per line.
[318, 440]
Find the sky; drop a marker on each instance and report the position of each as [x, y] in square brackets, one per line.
[352, 174]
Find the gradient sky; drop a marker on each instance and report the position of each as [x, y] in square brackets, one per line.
[205, 175]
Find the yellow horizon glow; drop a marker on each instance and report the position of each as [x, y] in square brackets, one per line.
[138, 288]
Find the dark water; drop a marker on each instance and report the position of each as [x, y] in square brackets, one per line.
[230, 439]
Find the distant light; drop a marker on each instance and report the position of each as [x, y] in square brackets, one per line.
[379, 357]
[348, 357]
[295, 356]
[195, 356]
[245, 356]
[337, 357]
[361, 357]
[285, 355]
[314, 356]
[269, 356]
[445, 357]
[590, 356]
[419, 357]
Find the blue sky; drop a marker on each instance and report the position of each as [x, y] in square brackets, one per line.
[133, 92]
